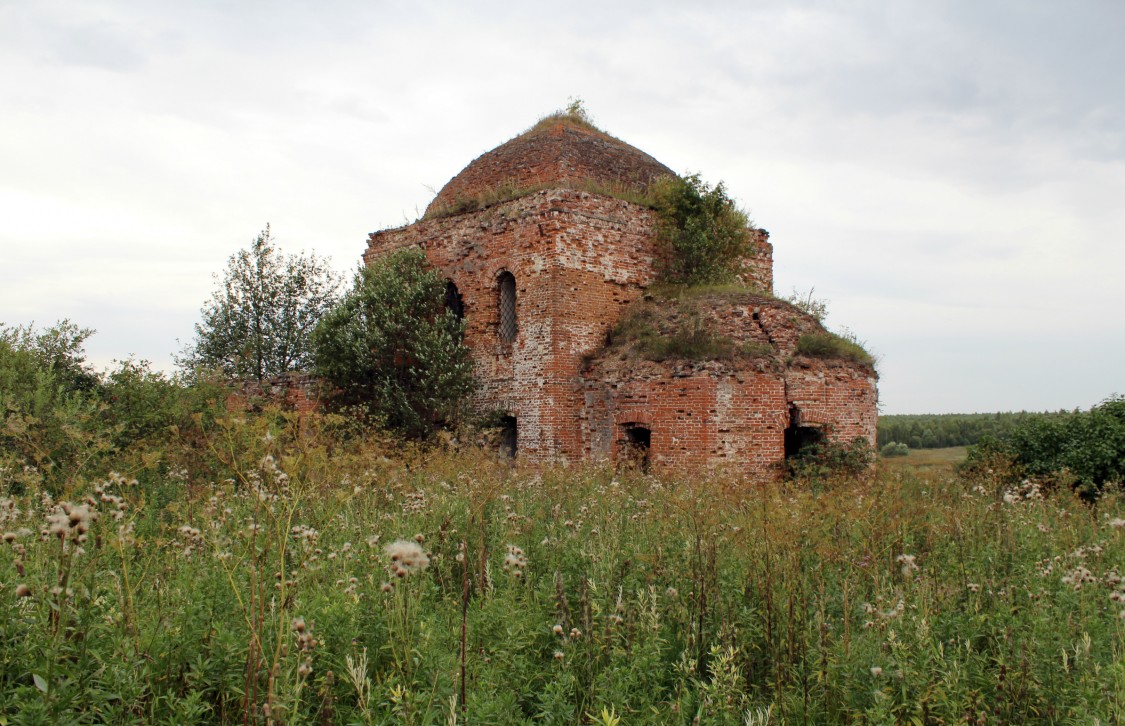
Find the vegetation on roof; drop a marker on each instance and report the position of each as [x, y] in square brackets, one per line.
[574, 113]
[830, 345]
[704, 236]
[651, 329]
[512, 190]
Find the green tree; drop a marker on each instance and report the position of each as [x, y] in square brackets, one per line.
[392, 346]
[259, 320]
[705, 236]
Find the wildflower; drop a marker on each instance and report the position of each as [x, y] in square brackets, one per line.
[57, 525]
[558, 629]
[1117, 523]
[406, 557]
[299, 624]
[908, 565]
[559, 653]
[515, 561]
[575, 633]
[305, 669]
[895, 611]
[671, 593]
[386, 587]
[1078, 577]
[973, 587]
[9, 537]
[876, 671]
[23, 590]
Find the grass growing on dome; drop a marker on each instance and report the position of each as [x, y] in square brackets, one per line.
[831, 345]
[511, 190]
[574, 113]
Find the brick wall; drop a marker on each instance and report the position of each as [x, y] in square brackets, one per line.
[298, 392]
[558, 152]
[578, 259]
[699, 413]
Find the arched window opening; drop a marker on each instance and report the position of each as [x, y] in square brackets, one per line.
[508, 323]
[636, 446]
[800, 439]
[453, 300]
[456, 305]
[508, 436]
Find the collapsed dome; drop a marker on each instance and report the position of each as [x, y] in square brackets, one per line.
[561, 150]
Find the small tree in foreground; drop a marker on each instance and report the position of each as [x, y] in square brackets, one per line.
[259, 320]
[391, 346]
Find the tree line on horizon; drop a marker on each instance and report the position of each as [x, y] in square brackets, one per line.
[943, 430]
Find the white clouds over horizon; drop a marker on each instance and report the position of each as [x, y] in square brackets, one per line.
[948, 175]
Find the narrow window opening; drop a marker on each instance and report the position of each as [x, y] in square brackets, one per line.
[800, 439]
[455, 304]
[508, 436]
[453, 300]
[508, 323]
[637, 446]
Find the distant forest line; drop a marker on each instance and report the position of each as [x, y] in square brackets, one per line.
[938, 431]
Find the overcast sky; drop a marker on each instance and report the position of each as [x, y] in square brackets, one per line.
[949, 175]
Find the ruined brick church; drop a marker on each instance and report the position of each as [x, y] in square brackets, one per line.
[545, 259]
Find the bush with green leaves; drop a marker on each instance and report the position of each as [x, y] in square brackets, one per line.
[703, 234]
[893, 449]
[259, 320]
[833, 459]
[50, 416]
[60, 421]
[1088, 446]
[391, 346]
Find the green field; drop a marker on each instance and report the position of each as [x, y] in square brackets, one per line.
[928, 459]
[255, 571]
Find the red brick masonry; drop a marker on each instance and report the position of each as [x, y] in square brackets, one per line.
[579, 259]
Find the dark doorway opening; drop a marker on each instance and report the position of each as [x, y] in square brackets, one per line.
[637, 446]
[800, 439]
[508, 436]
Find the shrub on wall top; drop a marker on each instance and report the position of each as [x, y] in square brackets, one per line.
[703, 234]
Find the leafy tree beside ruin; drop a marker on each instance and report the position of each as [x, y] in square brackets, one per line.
[259, 320]
[392, 347]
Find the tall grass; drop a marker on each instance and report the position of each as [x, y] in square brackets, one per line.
[249, 578]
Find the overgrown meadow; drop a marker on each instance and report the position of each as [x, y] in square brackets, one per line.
[253, 569]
